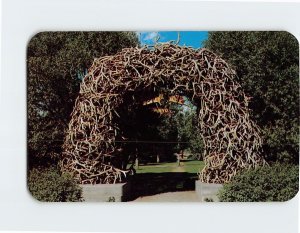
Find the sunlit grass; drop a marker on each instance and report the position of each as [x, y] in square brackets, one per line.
[185, 166]
[193, 166]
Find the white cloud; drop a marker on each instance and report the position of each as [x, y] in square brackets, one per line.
[150, 35]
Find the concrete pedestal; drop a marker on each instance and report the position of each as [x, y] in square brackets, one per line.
[106, 192]
[207, 191]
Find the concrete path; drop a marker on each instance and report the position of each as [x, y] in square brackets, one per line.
[186, 196]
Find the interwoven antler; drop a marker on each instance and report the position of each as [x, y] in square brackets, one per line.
[232, 141]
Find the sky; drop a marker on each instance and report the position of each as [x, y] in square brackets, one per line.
[187, 38]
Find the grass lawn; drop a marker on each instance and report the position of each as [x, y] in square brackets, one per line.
[189, 166]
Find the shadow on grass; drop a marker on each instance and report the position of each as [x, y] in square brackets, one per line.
[147, 184]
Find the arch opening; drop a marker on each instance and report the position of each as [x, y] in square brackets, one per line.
[154, 128]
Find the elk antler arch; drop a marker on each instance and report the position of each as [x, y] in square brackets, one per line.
[232, 140]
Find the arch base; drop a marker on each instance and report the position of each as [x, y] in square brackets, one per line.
[207, 191]
[106, 192]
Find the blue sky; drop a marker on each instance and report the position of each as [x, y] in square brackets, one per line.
[187, 38]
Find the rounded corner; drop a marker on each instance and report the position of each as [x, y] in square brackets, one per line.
[36, 34]
[292, 198]
[293, 36]
[32, 195]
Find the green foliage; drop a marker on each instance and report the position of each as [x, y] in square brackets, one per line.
[267, 64]
[270, 183]
[159, 134]
[167, 128]
[49, 185]
[188, 131]
[181, 127]
[56, 64]
[138, 130]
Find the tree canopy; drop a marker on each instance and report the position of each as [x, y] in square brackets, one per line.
[267, 64]
[56, 64]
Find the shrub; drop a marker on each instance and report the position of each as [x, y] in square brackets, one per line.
[49, 185]
[278, 182]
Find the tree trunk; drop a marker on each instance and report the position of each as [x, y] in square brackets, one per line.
[136, 158]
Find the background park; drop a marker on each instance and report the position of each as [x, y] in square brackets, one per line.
[163, 133]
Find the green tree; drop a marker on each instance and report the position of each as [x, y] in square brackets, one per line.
[267, 64]
[168, 132]
[153, 136]
[188, 131]
[56, 64]
[181, 126]
[138, 131]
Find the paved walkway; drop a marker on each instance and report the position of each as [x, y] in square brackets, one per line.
[186, 196]
[179, 196]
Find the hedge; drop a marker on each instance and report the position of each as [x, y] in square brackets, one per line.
[278, 182]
